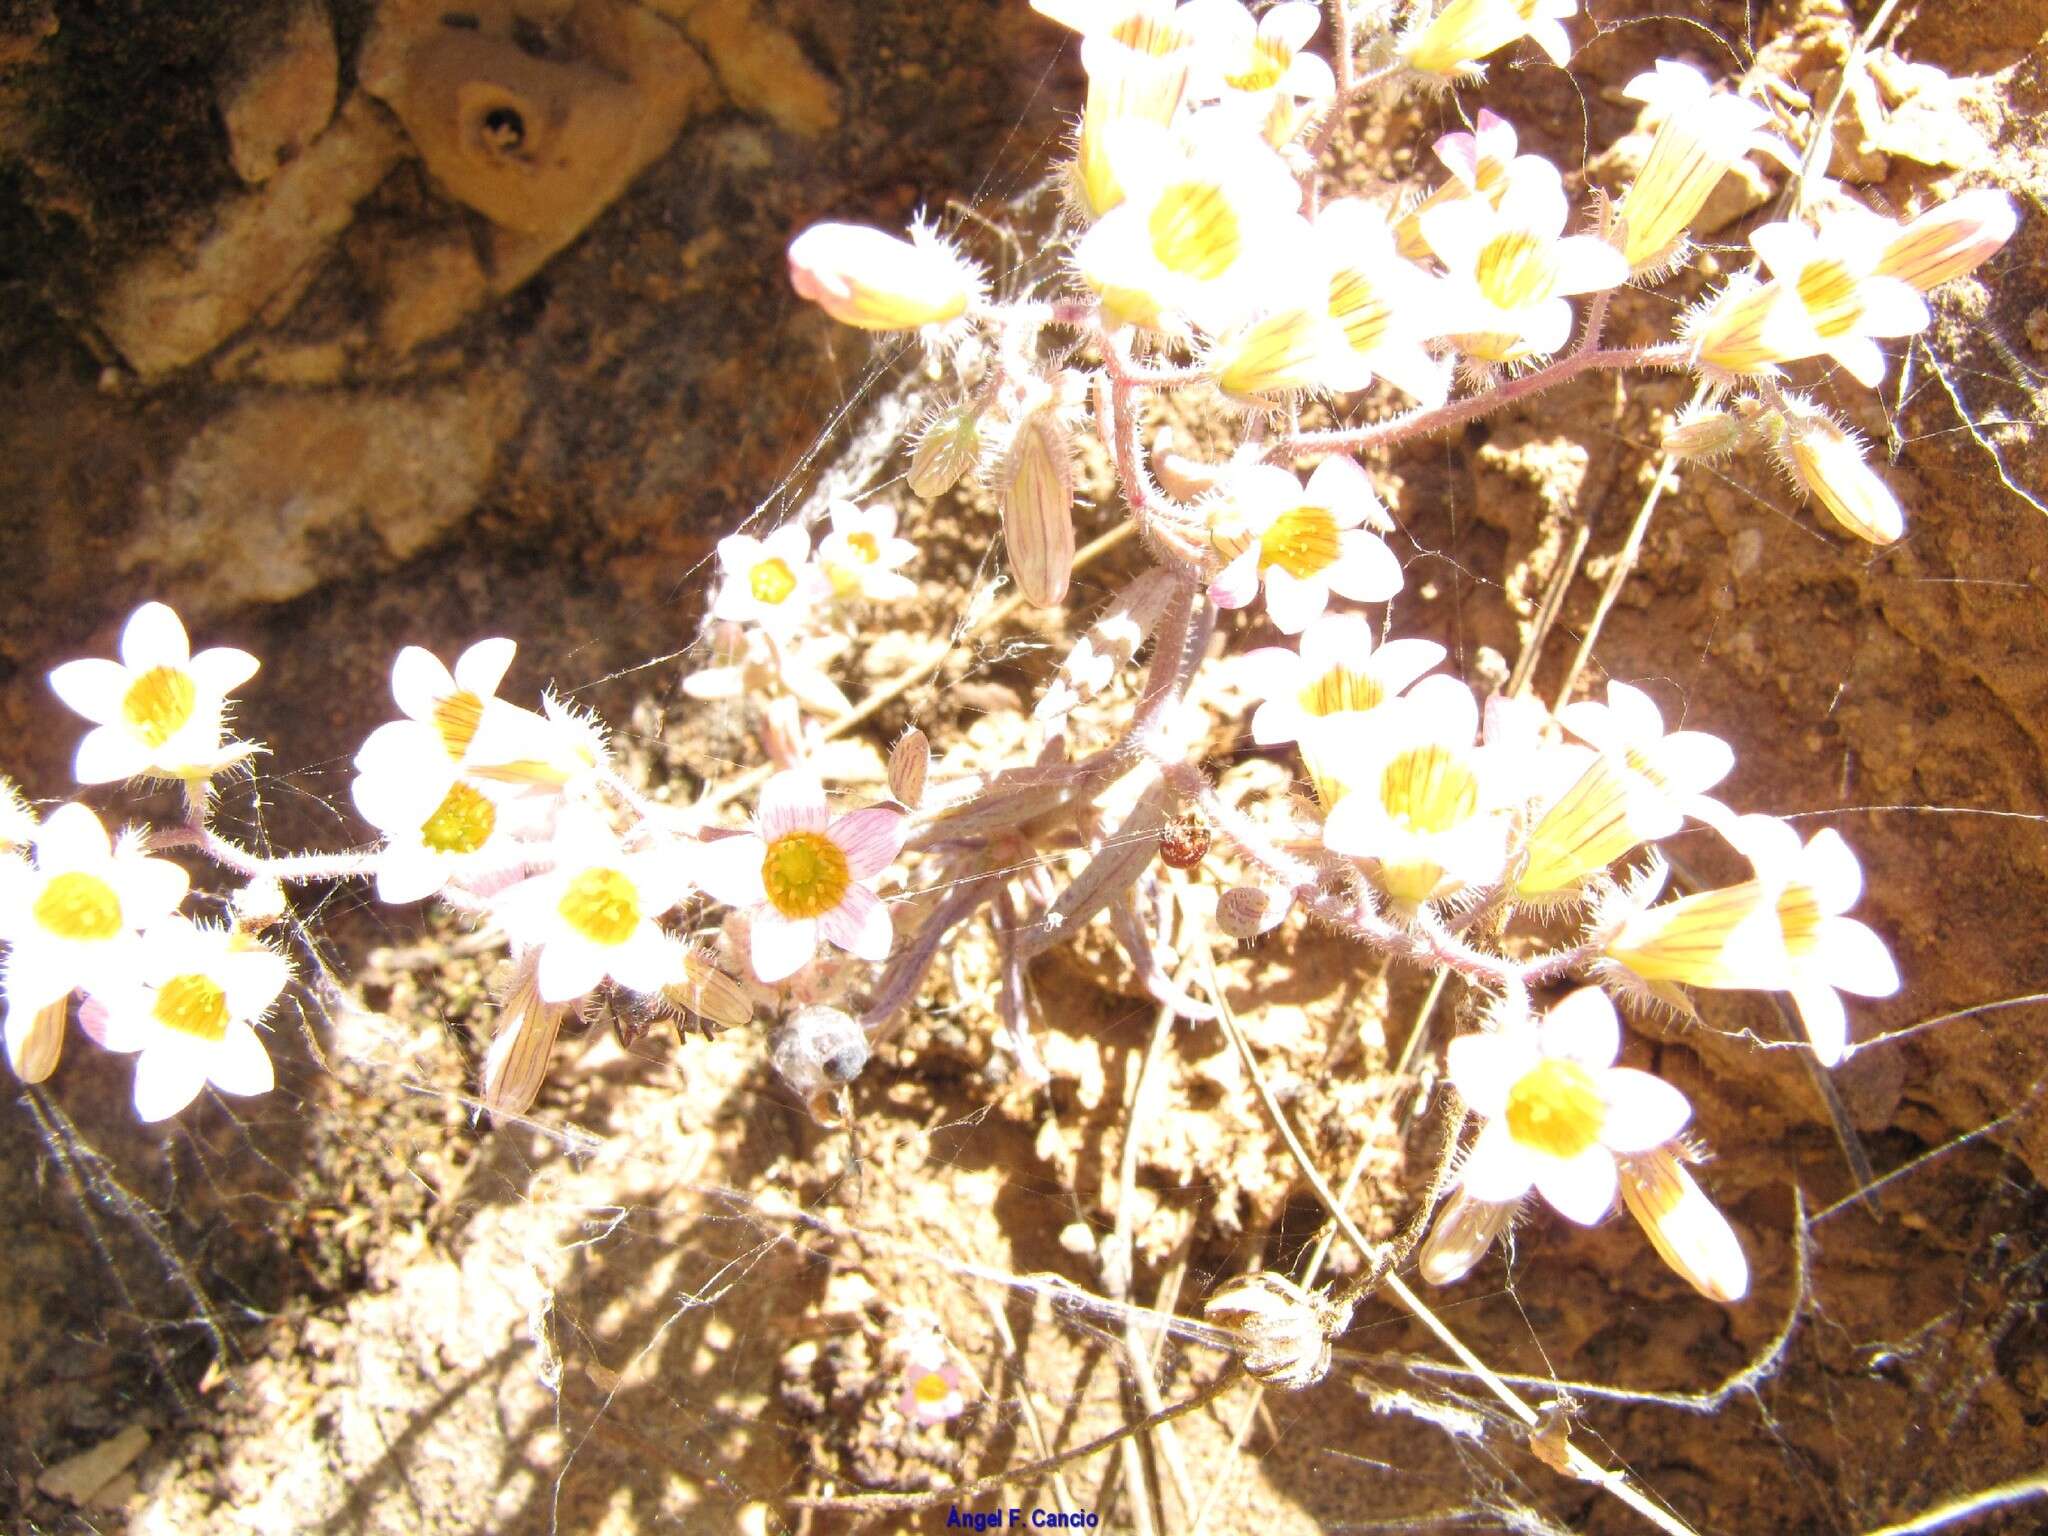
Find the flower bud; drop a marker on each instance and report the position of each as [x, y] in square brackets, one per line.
[1951, 239]
[33, 1051]
[1703, 432]
[1285, 1330]
[259, 904]
[17, 821]
[1245, 912]
[707, 992]
[1829, 466]
[863, 277]
[947, 448]
[909, 761]
[1037, 486]
[517, 1062]
[1465, 1229]
[1682, 1224]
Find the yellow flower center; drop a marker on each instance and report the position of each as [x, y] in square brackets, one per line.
[1429, 790]
[1827, 289]
[462, 822]
[602, 905]
[1799, 916]
[1302, 541]
[1341, 689]
[771, 581]
[158, 704]
[1194, 231]
[1557, 1108]
[931, 1389]
[805, 874]
[1264, 69]
[79, 906]
[192, 1005]
[1360, 310]
[1516, 269]
[865, 546]
[456, 717]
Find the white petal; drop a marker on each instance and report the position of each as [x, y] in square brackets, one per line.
[107, 755]
[167, 1078]
[1365, 570]
[419, 681]
[1829, 868]
[1400, 662]
[119, 1022]
[222, 669]
[1581, 1188]
[1485, 1067]
[1273, 671]
[1827, 1022]
[71, 837]
[1276, 721]
[409, 874]
[729, 870]
[1238, 582]
[1784, 247]
[94, 688]
[643, 962]
[860, 925]
[1890, 308]
[1855, 959]
[154, 638]
[791, 802]
[781, 946]
[1293, 605]
[240, 1065]
[1346, 490]
[1863, 358]
[1589, 264]
[569, 967]
[483, 666]
[871, 839]
[148, 888]
[1496, 1170]
[1465, 1229]
[1582, 1028]
[1643, 1111]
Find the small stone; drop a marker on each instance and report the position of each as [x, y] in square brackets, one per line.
[77, 1478]
[278, 103]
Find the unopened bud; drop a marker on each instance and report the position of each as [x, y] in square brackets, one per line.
[1683, 1225]
[909, 761]
[1464, 1231]
[33, 1050]
[1038, 508]
[1704, 432]
[818, 1049]
[863, 277]
[947, 448]
[707, 992]
[517, 1062]
[1952, 239]
[1285, 1331]
[17, 821]
[1827, 461]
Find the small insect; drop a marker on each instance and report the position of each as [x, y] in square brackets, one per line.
[1184, 841]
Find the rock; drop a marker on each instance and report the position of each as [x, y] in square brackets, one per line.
[281, 99]
[179, 301]
[429, 281]
[77, 1478]
[761, 67]
[303, 487]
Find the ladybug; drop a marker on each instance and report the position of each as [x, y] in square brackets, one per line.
[1184, 841]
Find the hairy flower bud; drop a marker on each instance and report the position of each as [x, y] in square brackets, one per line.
[947, 448]
[863, 277]
[517, 1062]
[1037, 486]
[1285, 1330]
[1951, 239]
[1827, 462]
[707, 992]
[1703, 432]
[1682, 1224]
[1245, 912]
[909, 761]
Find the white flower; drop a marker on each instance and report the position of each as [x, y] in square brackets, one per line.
[770, 582]
[1700, 137]
[1452, 42]
[1836, 298]
[1381, 308]
[1483, 164]
[453, 720]
[159, 709]
[1336, 670]
[1137, 54]
[866, 278]
[1410, 791]
[437, 828]
[189, 1010]
[1303, 543]
[1510, 268]
[593, 916]
[1557, 1109]
[863, 554]
[1735, 332]
[798, 875]
[70, 919]
[1207, 218]
[1258, 68]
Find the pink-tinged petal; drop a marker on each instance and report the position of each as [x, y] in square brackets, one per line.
[419, 681]
[1400, 662]
[1582, 1188]
[643, 962]
[1238, 582]
[1643, 1111]
[569, 967]
[94, 688]
[1850, 956]
[1829, 869]
[1484, 1068]
[34, 1038]
[1366, 569]
[71, 836]
[1294, 604]
[154, 638]
[791, 802]
[167, 1078]
[729, 870]
[107, 755]
[240, 1065]
[1496, 1170]
[860, 925]
[781, 946]
[1582, 1028]
[223, 669]
[871, 839]
[483, 666]
[149, 888]
[120, 1025]
[1826, 1020]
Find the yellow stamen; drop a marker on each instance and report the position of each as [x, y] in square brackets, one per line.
[771, 580]
[1265, 68]
[931, 1389]
[602, 905]
[1194, 231]
[1341, 689]
[159, 704]
[1557, 1108]
[1302, 541]
[78, 906]
[866, 546]
[1516, 269]
[1828, 290]
[192, 1005]
[805, 874]
[462, 822]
